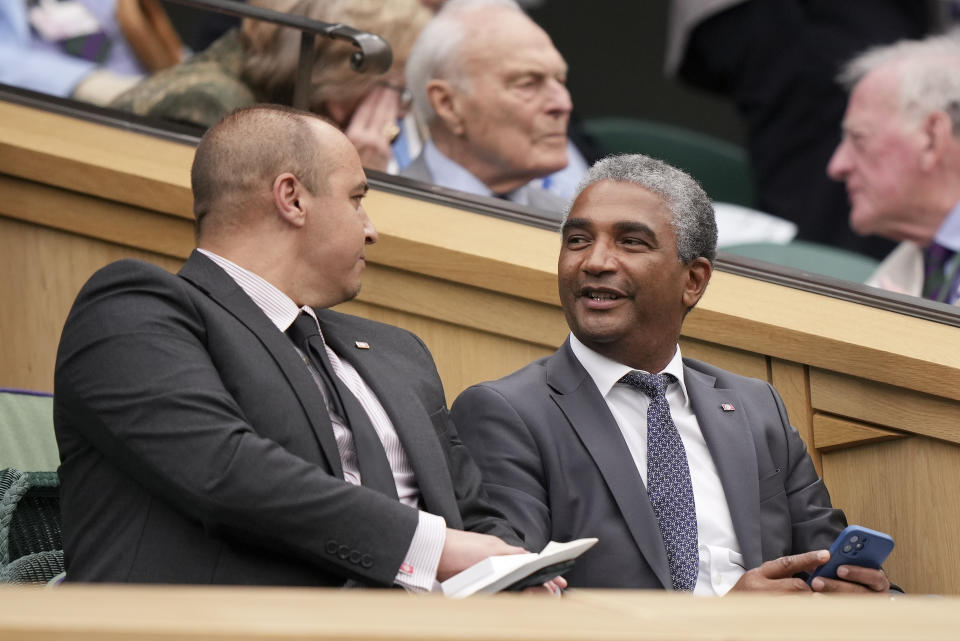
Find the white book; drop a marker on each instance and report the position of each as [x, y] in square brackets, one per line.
[498, 572]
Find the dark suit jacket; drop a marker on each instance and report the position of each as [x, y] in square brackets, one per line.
[554, 460]
[196, 447]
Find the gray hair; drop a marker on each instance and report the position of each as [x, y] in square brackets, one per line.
[693, 220]
[929, 73]
[437, 51]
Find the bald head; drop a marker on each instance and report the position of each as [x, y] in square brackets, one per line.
[439, 50]
[239, 157]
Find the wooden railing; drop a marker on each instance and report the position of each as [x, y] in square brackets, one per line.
[95, 613]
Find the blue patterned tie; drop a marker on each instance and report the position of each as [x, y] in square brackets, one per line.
[668, 481]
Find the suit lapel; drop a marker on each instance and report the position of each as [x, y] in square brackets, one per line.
[410, 419]
[730, 442]
[586, 410]
[215, 283]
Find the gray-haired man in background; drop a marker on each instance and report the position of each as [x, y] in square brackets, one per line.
[900, 160]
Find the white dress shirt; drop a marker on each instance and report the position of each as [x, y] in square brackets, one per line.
[419, 569]
[721, 563]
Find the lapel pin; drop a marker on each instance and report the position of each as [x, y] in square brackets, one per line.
[728, 407]
[362, 344]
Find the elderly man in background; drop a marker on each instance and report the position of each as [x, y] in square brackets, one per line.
[491, 87]
[900, 160]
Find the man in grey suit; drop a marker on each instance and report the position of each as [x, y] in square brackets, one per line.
[200, 444]
[490, 86]
[690, 476]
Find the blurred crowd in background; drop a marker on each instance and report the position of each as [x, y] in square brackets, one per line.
[478, 100]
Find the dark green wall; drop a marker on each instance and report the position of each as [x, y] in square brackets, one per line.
[615, 53]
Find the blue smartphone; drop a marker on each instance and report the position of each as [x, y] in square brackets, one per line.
[856, 545]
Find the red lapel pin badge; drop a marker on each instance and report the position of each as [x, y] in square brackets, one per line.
[362, 344]
[728, 407]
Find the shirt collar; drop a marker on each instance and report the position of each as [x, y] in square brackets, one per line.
[949, 233]
[605, 372]
[448, 173]
[279, 308]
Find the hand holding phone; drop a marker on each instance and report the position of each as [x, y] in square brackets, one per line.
[856, 545]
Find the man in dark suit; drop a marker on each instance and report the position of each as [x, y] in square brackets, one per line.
[690, 476]
[200, 444]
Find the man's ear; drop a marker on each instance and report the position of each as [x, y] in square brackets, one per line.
[698, 275]
[443, 98]
[288, 192]
[938, 134]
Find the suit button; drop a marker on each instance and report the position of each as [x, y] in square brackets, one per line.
[366, 561]
[354, 557]
[343, 552]
[331, 547]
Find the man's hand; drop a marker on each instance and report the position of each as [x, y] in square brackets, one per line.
[554, 586]
[463, 549]
[777, 575]
[373, 127]
[853, 578]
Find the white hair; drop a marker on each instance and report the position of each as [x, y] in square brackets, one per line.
[437, 51]
[929, 74]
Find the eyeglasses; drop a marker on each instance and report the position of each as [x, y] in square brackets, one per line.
[404, 96]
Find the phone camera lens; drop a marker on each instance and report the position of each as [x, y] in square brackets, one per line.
[854, 538]
[847, 548]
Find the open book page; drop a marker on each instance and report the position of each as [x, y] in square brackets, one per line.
[498, 572]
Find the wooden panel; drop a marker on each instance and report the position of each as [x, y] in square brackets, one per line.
[792, 383]
[94, 217]
[885, 405]
[482, 309]
[515, 260]
[828, 333]
[122, 613]
[44, 271]
[464, 356]
[735, 360]
[830, 432]
[464, 247]
[94, 159]
[907, 488]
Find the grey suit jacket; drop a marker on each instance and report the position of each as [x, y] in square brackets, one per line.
[196, 447]
[554, 460]
[538, 198]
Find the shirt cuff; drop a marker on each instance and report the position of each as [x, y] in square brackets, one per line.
[418, 571]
